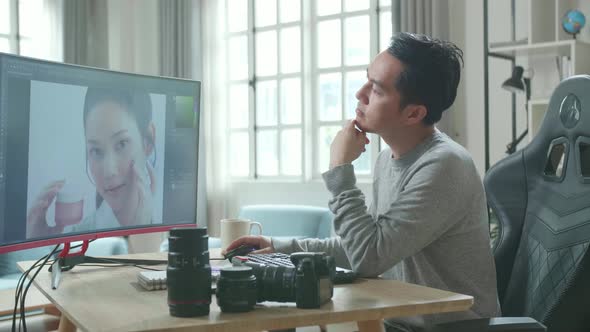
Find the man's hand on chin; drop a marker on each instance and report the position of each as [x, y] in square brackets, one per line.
[348, 145]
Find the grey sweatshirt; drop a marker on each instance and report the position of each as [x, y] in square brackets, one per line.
[427, 225]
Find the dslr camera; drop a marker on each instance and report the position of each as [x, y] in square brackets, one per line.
[308, 282]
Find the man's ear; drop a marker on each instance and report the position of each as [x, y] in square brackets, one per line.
[415, 113]
[150, 140]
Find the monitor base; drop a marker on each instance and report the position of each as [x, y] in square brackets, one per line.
[66, 261]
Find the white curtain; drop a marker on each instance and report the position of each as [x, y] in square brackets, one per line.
[85, 31]
[175, 38]
[178, 58]
[214, 97]
[428, 17]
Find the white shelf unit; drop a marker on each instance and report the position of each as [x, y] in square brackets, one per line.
[546, 38]
[577, 51]
[537, 110]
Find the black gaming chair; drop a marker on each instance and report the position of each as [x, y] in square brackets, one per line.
[541, 197]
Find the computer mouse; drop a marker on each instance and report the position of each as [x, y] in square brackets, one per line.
[242, 250]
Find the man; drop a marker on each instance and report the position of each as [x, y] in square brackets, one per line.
[427, 223]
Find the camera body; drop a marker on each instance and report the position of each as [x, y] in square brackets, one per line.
[308, 283]
[314, 278]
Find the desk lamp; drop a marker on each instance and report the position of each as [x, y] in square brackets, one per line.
[517, 84]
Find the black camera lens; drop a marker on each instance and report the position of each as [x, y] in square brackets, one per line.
[276, 283]
[236, 289]
[189, 273]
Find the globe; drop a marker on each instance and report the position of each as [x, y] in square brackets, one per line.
[573, 21]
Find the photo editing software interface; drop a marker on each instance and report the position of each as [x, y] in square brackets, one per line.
[85, 151]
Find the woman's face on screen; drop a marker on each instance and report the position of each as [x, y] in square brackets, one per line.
[113, 143]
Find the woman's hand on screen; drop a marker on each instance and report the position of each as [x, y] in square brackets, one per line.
[262, 243]
[145, 191]
[36, 218]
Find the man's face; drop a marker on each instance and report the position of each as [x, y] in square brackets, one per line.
[378, 108]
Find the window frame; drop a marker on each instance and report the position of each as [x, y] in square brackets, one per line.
[373, 13]
[253, 128]
[309, 79]
[13, 34]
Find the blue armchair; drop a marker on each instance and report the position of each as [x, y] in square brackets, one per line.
[290, 221]
[287, 221]
[283, 221]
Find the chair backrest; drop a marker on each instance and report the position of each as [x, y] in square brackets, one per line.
[290, 220]
[541, 197]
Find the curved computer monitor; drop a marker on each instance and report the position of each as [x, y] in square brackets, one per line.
[88, 153]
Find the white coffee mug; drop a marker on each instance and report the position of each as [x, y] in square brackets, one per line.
[232, 229]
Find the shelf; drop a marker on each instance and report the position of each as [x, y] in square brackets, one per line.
[538, 42]
[563, 47]
[537, 110]
[534, 102]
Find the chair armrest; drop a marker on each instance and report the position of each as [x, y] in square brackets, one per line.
[497, 324]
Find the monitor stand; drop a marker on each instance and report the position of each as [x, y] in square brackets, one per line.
[66, 261]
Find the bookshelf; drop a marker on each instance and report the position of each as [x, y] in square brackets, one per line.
[545, 38]
[537, 109]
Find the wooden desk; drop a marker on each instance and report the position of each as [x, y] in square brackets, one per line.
[41, 314]
[34, 301]
[109, 299]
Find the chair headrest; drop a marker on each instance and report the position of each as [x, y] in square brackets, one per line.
[560, 149]
[569, 110]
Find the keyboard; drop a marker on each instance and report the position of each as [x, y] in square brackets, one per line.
[342, 276]
[274, 259]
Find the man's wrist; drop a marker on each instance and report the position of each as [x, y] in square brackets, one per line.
[340, 178]
[334, 164]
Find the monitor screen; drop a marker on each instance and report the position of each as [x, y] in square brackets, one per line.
[87, 153]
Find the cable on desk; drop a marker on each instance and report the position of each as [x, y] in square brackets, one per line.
[115, 263]
[119, 265]
[21, 294]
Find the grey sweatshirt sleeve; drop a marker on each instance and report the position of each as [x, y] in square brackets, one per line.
[330, 246]
[429, 204]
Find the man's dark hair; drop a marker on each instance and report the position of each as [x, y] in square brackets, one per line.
[431, 74]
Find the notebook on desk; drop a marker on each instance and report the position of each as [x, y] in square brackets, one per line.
[156, 280]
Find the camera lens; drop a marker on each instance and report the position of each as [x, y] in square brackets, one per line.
[275, 283]
[189, 273]
[236, 289]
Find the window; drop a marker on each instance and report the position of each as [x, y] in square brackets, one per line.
[35, 32]
[8, 26]
[292, 85]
